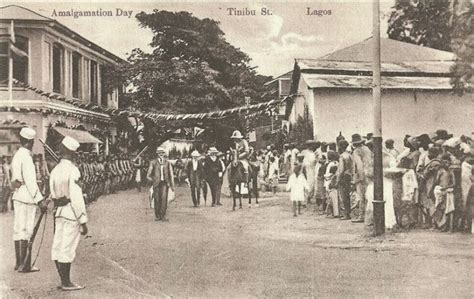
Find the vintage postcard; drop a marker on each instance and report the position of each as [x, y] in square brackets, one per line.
[221, 149]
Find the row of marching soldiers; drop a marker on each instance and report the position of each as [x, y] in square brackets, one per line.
[106, 175]
[428, 184]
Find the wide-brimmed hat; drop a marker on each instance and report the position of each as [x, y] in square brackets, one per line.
[195, 154]
[413, 142]
[310, 142]
[356, 139]
[452, 142]
[236, 135]
[424, 139]
[442, 134]
[213, 150]
[160, 150]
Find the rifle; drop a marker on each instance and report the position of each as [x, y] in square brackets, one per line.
[140, 153]
[30, 243]
[50, 151]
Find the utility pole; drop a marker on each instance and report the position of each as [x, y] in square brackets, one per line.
[379, 210]
[247, 120]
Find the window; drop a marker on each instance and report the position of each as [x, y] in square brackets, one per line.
[58, 77]
[20, 62]
[93, 82]
[76, 82]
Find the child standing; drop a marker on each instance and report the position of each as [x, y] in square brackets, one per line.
[273, 174]
[297, 185]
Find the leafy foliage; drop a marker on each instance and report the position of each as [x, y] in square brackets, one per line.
[463, 45]
[191, 69]
[424, 23]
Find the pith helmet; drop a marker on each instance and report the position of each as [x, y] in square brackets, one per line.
[236, 135]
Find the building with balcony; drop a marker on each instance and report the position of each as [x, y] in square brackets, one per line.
[53, 59]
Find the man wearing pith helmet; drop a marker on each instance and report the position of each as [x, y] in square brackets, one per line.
[243, 151]
[26, 197]
[70, 217]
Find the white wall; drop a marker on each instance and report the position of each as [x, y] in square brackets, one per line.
[403, 112]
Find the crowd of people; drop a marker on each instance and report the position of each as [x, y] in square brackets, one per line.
[428, 184]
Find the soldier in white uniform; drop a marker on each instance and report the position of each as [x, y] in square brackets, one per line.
[70, 216]
[26, 197]
[243, 151]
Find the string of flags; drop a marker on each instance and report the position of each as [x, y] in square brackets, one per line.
[260, 107]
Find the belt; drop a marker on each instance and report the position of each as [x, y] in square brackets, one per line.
[61, 202]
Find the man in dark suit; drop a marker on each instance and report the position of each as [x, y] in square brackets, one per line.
[160, 173]
[194, 172]
[213, 171]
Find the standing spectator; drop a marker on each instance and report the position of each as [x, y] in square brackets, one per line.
[362, 158]
[294, 156]
[213, 170]
[194, 171]
[273, 174]
[138, 164]
[443, 192]
[409, 196]
[309, 167]
[297, 185]
[6, 183]
[161, 175]
[427, 179]
[332, 208]
[287, 159]
[389, 148]
[344, 177]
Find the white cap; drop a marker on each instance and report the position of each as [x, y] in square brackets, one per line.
[70, 143]
[452, 142]
[28, 133]
[195, 154]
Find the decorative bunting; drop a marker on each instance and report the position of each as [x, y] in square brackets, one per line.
[156, 117]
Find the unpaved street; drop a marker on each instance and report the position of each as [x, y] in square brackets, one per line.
[262, 252]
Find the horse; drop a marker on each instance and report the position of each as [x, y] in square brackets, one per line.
[236, 176]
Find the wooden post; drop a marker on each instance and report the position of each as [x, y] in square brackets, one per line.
[378, 202]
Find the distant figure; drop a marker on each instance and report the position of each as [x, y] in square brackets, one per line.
[297, 185]
[195, 173]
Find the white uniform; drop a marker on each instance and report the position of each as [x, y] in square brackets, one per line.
[68, 218]
[27, 196]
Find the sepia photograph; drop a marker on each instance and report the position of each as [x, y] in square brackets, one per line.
[225, 149]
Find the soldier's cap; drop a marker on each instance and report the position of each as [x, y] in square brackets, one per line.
[70, 143]
[27, 133]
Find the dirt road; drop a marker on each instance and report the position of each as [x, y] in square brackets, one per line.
[262, 252]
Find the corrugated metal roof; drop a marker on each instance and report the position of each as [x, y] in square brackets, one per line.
[399, 67]
[347, 81]
[391, 51]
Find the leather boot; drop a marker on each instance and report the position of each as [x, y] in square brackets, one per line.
[58, 268]
[17, 255]
[25, 266]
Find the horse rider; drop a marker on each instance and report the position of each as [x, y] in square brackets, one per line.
[243, 152]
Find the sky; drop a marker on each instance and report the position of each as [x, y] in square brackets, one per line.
[273, 41]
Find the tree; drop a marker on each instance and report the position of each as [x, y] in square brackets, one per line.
[424, 23]
[191, 69]
[463, 45]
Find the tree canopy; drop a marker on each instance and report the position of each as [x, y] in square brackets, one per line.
[191, 69]
[441, 24]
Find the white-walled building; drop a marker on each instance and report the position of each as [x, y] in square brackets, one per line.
[417, 96]
[58, 61]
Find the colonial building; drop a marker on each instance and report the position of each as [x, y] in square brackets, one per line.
[53, 67]
[417, 96]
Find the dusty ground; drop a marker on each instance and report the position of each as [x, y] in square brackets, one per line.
[256, 252]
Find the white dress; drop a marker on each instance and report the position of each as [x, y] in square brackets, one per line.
[297, 186]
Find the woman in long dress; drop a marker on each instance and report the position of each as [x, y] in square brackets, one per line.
[389, 169]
